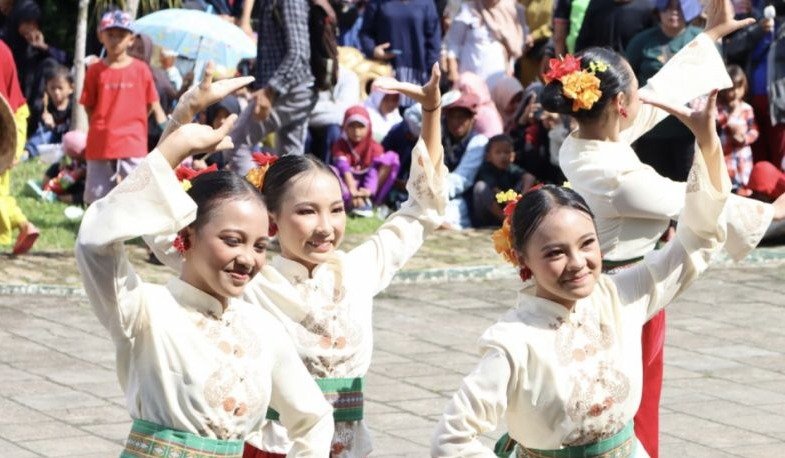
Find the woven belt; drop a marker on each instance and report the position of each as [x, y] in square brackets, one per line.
[620, 445]
[344, 394]
[151, 440]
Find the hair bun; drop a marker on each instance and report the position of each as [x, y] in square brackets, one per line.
[552, 99]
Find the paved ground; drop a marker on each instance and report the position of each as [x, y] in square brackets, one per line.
[724, 391]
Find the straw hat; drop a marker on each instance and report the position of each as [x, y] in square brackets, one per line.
[7, 136]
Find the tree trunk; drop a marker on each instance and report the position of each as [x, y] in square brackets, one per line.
[133, 8]
[78, 115]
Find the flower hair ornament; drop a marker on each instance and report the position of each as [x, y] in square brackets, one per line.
[186, 174]
[263, 162]
[579, 85]
[502, 237]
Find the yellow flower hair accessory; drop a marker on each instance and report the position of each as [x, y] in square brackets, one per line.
[186, 184]
[264, 162]
[580, 85]
[502, 237]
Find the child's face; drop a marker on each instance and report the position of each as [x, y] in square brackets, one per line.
[500, 155]
[356, 131]
[459, 121]
[734, 94]
[59, 90]
[312, 220]
[116, 41]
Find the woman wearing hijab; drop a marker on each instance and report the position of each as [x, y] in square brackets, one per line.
[507, 95]
[486, 37]
[487, 121]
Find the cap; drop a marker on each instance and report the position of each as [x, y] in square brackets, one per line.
[690, 9]
[467, 101]
[116, 19]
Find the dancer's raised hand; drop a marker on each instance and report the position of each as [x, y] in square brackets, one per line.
[193, 138]
[206, 93]
[721, 21]
[701, 122]
[428, 95]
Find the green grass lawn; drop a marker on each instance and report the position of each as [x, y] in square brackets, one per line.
[58, 233]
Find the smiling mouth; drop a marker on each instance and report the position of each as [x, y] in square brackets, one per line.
[239, 276]
[577, 279]
[321, 245]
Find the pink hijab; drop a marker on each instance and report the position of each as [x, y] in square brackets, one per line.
[504, 89]
[487, 122]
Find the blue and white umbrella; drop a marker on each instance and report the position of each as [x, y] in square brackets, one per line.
[197, 35]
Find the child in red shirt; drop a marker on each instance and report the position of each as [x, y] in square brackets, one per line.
[118, 95]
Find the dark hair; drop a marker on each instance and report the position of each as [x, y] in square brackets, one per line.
[281, 174]
[535, 205]
[500, 138]
[211, 189]
[613, 80]
[737, 76]
[58, 71]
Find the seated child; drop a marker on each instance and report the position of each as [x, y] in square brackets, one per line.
[498, 173]
[737, 129]
[56, 117]
[366, 172]
[65, 180]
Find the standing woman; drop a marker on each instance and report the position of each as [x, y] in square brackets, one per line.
[405, 33]
[634, 205]
[485, 38]
[198, 366]
[324, 296]
[563, 368]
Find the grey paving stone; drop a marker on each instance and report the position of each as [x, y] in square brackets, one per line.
[115, 432]
[75, 446]
[39, 430]
[11, 450]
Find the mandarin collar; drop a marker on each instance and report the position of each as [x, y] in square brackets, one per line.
[191, 297]
[293, 270]
[540, 306]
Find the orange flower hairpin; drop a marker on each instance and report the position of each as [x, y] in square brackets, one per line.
[580, 85]
[263, 161]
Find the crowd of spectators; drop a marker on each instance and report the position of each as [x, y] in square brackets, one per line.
[496, 136]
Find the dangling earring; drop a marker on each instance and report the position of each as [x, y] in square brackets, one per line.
[623, 112]
[181, 242]
[272, 230]
[525, 273]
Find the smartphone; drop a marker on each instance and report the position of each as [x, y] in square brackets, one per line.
[397, 52]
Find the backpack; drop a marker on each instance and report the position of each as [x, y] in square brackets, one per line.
[323, 34]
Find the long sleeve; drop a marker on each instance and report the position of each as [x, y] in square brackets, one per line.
[149, 201]
[462, 178]
[433, 35]
[367, 37]
[474, 409]
[674, 84]
[304, 412]
[633, 197]
[665, 273]
[298, 46]
[398, 239]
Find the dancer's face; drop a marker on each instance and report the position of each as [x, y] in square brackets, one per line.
[229, 249]
[563, 254]
[312, 220]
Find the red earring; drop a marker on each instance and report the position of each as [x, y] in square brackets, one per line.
[623, 112]
[181, 242]
[525, 273]
[272, 230]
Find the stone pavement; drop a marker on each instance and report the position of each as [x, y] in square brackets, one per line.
[724, 392]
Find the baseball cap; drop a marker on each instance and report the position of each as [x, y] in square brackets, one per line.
[690, 9]
[467, 101]
[116, 19]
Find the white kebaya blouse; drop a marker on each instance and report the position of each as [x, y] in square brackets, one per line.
[183, 361]
[632, 203]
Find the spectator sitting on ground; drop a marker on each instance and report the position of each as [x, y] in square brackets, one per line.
[488, 121]
[366, 172]
[463, 155]
[383, 109]
[507, 95]
[55, 120]
[498, 173]
[65, 180]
